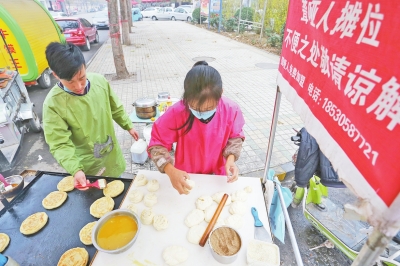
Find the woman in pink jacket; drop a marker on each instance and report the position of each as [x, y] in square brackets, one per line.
[207, 127]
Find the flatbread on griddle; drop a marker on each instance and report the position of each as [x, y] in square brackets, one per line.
[74, 257]
[114, 188]
[101, 206]
[66, 184]
[54, 200]
[85, 235]
[4, 241]
[33, 223]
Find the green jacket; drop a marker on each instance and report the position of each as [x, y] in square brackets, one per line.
[77, 128]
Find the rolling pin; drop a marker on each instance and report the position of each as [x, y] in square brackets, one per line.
[211, 224]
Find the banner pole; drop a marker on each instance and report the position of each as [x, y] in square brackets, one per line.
[240, 16]
[220, 16]
[263, 19]
[209, 13]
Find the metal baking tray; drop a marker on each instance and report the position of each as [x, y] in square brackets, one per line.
[62, 229]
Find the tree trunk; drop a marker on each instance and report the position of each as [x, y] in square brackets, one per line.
[124, 22]
[118, 53]
[129, 9]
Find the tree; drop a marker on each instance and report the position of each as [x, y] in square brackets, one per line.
[118, 53]
[124, 22]
[129, 9]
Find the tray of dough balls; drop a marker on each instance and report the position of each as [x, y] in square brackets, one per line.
[50, 222]
[172, 224]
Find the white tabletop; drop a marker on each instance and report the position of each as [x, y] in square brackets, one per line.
[150, 244]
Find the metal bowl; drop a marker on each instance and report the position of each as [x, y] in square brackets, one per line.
[221, 258]
[14, 180]
[104, 219]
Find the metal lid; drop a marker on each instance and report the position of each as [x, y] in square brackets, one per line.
[163, 95]
[145, 102]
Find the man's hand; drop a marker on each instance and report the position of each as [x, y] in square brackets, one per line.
[80, 178]
[231, 169]
[134, 133]
[178, 178]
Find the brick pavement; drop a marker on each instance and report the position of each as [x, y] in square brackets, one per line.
[162, 53]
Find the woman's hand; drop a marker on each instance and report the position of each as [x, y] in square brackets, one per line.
[80, 178]
[232, 172]
[178, 178]
[134, 133]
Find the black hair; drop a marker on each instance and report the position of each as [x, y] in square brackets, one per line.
[65, 60]
[200, 63]
[201, 84]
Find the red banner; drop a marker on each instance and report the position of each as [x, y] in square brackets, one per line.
[340, 62]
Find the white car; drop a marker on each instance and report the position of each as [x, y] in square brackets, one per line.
[164, 13]
[55, 14]
[100, 20]
[150, 12]
[181, 13]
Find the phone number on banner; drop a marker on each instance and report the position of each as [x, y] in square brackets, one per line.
[351, 130]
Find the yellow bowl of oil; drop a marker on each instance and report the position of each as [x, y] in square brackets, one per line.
[116, 231]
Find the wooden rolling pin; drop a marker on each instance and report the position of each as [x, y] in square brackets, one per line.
[214, 219]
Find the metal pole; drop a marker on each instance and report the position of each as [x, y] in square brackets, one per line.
[272, 132]
[240, 16]
[263, 19]
[289, 225]
[220, 16]
[209, 13]
[371, 250]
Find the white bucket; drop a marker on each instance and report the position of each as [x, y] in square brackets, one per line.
[139, 151]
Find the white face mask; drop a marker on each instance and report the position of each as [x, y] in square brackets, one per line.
[203, 115]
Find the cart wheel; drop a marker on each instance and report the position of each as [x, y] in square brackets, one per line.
[45, 79]
[34, 123]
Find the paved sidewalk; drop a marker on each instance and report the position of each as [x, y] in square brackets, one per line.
[162, 53]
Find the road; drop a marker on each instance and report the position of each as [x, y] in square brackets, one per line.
[33, 144]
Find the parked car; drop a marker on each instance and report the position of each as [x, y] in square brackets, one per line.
[181, 13]
[56, 14]
[78, 31]
[150, 12]
[100, 20]
[189, 8]
[136, 14]
[164, 12]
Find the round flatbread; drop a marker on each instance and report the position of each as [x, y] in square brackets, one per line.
[114, 188]
[33, 223]
[4, 241]
[54, 200]
[101, 206]
[66, 184]
[74, 257]
[85, 235]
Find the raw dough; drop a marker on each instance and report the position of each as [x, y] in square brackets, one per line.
[85, 235]
[74, 257]
[114, 188]
[33, 223]
[191, 183]
[238, 207]
[4, 241]
[132, 207]
[150, 199]
[195, 233]
[136, 196]
[209, 212]
[153, 185]
[194, 218]
[54, 200]
[240, 195]
[217, 197]
[140, 180]
[203, 202]
[101, 206]
[160, 222]
[66, 184]
[235, 221]
[248, 189]
[173, 255]
[147, 216]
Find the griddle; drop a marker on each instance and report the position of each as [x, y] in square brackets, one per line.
[62, 229]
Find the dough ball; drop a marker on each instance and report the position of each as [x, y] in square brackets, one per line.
[240, 195]
[147, 216]
[153, 185]
[132, 207]
[160, 222]
[194, 218]
[235, 221]
[140, 180]
[173, 255]
[150, 199]
[209, 212]
[217, 197]
[191, 183]
[136, 196]
[203, 202]
[248, 189]
[238, 207]
[195, 233]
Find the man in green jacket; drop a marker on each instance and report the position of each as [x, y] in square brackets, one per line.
[78, 115]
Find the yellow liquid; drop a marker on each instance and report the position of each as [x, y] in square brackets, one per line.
[116, 232]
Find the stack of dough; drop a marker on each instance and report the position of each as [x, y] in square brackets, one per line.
[147, 216]
[240, 195]
[217, 197]
[150, 199]
[160, 222]
[140, 180]
[238, 207]
[175, 255]
[153, 185]
[34, 223]
[75, 257]
[114, 188]
[195, 233]
[136, 196]
[194, 218]
[235, 221]
[54, 200]
[203, 202]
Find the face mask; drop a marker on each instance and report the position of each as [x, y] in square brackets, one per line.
[203, 115]
[68, 90]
